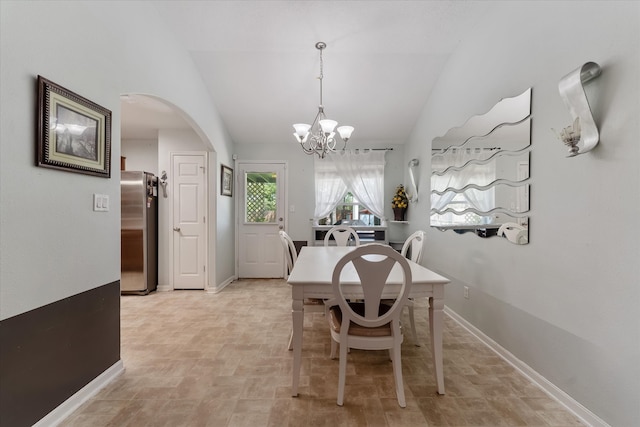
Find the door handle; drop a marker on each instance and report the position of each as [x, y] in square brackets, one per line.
[176, 229]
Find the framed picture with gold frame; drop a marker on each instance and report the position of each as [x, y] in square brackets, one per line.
[73, 133]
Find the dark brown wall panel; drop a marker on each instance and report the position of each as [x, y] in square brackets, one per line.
[49, 353]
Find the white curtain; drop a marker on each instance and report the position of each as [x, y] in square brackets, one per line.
[361, 172]
[330, 188]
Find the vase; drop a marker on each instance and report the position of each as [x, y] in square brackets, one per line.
[399, 213]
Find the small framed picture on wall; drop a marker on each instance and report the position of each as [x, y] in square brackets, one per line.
[226, 181]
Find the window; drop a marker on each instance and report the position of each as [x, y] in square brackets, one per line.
[260, 202]
[360, 173]
[350, 212]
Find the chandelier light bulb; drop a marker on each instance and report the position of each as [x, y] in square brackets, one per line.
[345, 132]
[328, 126]
[301, 131]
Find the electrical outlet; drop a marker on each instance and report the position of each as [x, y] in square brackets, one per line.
[466, 292]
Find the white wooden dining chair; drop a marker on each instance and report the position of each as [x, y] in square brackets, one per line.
[291, 256]
[342, 236]
[413, 247]
[290, 253]
[415, 243]
[369, 325]
[514, 232]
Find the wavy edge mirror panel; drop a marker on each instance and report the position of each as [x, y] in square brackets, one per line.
[504, 140]
[480, 173]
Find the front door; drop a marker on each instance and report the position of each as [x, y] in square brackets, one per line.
[262, 189]
[189, 222]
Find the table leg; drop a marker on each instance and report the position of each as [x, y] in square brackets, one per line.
[436, 306]
[297, 315]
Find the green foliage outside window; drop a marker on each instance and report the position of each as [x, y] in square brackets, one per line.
[260, 197]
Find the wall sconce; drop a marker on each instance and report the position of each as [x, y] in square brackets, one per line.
[163, 183]
[413, 191]
[583, 134]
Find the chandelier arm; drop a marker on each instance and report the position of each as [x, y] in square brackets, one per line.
[318, 142]
[331, 144]
[307, 150]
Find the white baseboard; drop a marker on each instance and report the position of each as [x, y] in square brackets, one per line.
[67, 407]
[585, 415]
[221, 286]
[210, 290]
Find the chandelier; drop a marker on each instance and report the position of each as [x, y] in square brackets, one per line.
[319, 137]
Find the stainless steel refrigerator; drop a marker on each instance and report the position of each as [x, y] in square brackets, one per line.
[139, 232]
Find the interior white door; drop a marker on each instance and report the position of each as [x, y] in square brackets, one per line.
[262, 189]
[189, 221]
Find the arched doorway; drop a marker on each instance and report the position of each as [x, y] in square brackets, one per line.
[156, 136]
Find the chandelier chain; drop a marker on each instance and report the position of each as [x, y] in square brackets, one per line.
[321, 75]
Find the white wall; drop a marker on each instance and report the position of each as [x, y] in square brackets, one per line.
[225, 239]
[301, 182]
[567, 303]
[52, 244]
[141, 155]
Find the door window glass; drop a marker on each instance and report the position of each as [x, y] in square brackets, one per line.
[260, 197]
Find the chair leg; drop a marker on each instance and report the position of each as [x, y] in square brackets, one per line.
[412, 320]
[342, 373]
[397, 373]
[334, 345]
[291, 341]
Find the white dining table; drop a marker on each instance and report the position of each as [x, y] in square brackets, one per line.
[311, 278]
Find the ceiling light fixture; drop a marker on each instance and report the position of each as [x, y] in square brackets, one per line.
[319, 137]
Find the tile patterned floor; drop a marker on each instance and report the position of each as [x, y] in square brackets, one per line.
[198, 359]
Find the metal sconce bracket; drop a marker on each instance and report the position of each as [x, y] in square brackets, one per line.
[413, 196]
[582, 135]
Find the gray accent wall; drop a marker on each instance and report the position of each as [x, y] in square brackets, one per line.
[567, 303]
[50, 353]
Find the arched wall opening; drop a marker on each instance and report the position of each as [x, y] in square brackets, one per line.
[153, 131]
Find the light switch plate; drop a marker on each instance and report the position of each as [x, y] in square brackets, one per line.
[100, 202]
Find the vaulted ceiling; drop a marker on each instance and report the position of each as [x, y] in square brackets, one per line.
[259, 62]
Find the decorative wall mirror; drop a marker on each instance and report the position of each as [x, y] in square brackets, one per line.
[480, 173]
